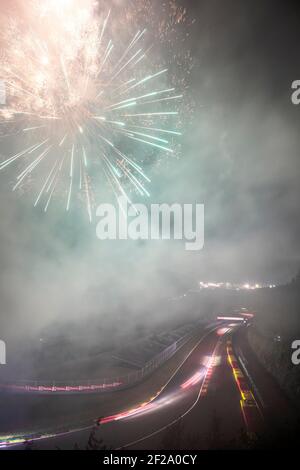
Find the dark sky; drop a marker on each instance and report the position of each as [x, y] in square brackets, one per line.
[247, 56]
[239, 156]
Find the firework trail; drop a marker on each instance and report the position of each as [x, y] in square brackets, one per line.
[80, 103]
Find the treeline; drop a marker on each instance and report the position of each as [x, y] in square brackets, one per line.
[278, 310]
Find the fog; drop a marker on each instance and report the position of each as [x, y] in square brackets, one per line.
[239, 156]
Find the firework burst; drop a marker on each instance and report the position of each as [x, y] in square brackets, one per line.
[78, 100]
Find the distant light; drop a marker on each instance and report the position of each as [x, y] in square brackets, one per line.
[45, 60]
[231, 318]
[211, 361]
[193, 380]
[229, 285]
[222, 331]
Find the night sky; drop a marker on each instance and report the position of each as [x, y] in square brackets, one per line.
[246, 165]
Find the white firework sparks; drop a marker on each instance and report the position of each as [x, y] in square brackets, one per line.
[75, 96]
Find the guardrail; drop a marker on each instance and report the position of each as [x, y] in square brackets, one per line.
[96, 386]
